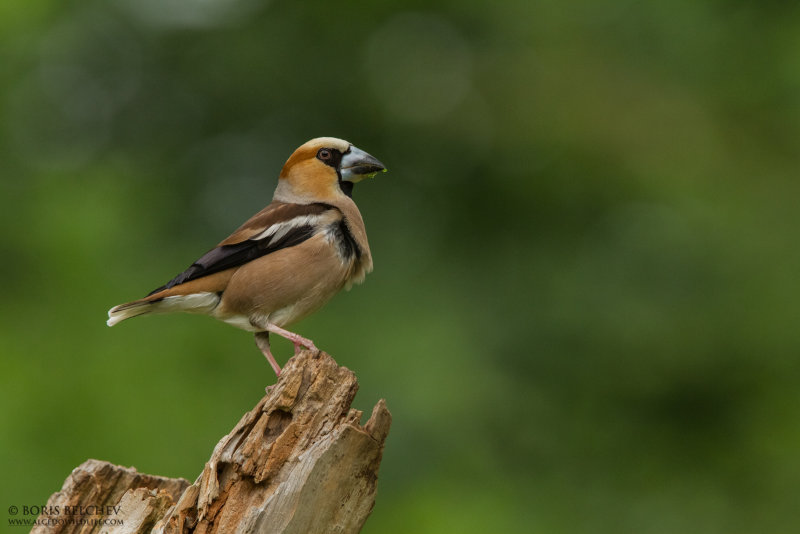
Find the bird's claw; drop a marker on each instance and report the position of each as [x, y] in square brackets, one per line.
[301, 342]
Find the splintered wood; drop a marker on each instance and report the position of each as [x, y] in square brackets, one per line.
[299, 462]
[95, 493]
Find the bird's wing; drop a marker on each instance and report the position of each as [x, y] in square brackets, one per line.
[278, 226]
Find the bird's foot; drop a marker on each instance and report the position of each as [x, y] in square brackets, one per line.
[274, 364]
[262, 341]
[304, 342]
[298, 340]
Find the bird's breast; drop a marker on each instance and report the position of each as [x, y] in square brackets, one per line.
[290, 284]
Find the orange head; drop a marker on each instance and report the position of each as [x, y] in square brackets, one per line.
[323, 169]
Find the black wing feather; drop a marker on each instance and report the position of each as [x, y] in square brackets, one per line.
[227, 256]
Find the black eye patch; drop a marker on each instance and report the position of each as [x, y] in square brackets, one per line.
[330, 156]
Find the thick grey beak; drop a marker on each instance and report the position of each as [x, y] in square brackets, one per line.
[357, 165]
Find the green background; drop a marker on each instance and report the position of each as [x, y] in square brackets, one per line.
[584, 309]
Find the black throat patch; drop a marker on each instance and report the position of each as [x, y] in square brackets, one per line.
[345, 186]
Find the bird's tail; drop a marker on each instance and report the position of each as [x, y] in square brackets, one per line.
[128, 310]
[203, 302]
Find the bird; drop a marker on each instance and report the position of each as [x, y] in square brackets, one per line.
[287, 260]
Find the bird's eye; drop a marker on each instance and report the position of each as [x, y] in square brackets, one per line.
[324, 154]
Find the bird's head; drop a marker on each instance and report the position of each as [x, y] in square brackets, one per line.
[323, 169]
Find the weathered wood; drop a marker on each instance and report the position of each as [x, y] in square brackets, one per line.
[299, 462]
[90, 498]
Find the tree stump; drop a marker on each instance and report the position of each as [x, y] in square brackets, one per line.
[299, 462]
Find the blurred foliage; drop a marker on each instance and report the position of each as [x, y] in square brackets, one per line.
[585, 303]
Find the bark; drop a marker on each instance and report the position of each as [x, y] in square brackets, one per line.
[299, 462]
[91, 495]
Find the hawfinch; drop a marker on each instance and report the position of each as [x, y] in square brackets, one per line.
[287, 260]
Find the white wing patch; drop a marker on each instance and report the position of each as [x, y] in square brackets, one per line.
[279, 230]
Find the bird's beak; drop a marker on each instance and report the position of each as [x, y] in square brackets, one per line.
[357, 165]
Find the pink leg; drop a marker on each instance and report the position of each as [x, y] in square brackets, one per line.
[298, 341]
[262, 340]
